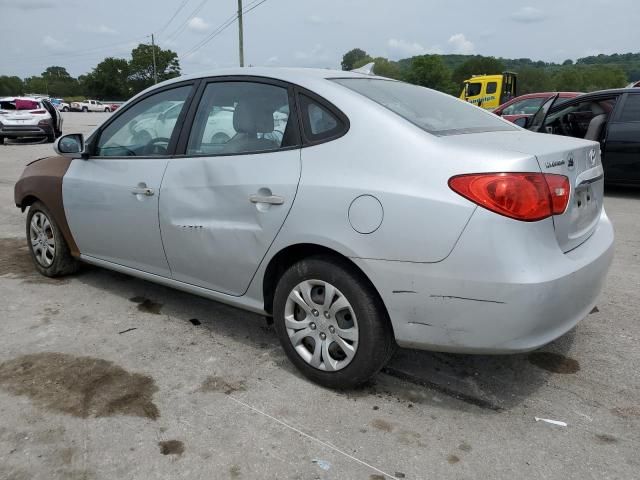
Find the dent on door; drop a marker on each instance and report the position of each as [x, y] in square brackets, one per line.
[219, 215]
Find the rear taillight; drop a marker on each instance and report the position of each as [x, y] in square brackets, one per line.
[38, 111]
[522, 196]
[43, 123]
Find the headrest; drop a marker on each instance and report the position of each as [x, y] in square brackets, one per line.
[252, 118]
[597, 109]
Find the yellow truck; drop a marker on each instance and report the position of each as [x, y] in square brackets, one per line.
[490, 91]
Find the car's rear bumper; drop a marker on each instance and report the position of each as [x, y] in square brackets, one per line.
[494, 293]
[23, 131]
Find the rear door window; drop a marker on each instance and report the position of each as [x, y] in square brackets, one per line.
[242, 117]
[492, 87]
[631, 111]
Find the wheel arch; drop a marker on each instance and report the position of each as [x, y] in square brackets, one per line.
[291, 254]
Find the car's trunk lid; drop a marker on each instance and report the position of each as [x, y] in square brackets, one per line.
[577, 159]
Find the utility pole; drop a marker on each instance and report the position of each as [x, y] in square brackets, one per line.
[240, 34]
[153, 48]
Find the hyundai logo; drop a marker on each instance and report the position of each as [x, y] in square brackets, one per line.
[571, 162]
[592, 157]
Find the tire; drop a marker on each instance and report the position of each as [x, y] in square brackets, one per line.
[374, 343]
[51, 138]
[85, 109]
[106, 110]
[1, 140]
[65, 109]
[58, 263]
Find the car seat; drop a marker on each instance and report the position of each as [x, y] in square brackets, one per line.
[249, 120]
[597, 123]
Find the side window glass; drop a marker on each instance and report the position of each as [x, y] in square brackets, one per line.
[319, 123]
[524, 107]
[631, 112]
[146, 128]
[474, 89]
[492, 87]
[242, 117]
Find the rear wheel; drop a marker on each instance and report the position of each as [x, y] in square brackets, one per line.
[107, 110]
[331, 323]
[1, 140]
[49, 250]
[65, 109]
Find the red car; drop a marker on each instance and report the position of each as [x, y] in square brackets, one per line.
[526, 105]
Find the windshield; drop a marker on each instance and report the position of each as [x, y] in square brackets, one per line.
[435, 112]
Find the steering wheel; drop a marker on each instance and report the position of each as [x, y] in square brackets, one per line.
[153, 147]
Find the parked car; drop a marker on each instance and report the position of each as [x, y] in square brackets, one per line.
[634, 85]
[60, 104]
[610, 117]
[114, 106]
[25, 117]
[526, 105]
[90, 106]
[384, 213]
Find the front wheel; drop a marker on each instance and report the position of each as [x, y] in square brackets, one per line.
[331, 323]
[49, 250]
[85, 109]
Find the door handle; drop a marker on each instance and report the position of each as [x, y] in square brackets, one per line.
[271, 199]
[147, 192]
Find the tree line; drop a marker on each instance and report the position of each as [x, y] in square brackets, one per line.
[111, 79]
[448, 72]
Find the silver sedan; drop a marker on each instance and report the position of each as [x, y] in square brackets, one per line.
[359, 212]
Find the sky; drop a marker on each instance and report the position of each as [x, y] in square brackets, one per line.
[78, 34]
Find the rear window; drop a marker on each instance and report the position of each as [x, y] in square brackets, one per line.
[437, 113]
[631, 112]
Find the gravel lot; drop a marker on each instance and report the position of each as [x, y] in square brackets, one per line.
[103, 376]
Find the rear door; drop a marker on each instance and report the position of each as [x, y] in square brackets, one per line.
[223, 202]
[622, 144]
[111, 198]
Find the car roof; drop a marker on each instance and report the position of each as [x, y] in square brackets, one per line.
[13, 99]
[611, 91]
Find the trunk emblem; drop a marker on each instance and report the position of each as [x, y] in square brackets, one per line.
[592, 157]
[571, 163]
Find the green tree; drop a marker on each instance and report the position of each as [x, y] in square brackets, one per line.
[35, 84]
[10, 86]
[430, 71]
[350, 58]
[383, 67]
[567, 62]
[56, 73]
[478, 65]
[108, 80]
[532, 80]
[141, 66]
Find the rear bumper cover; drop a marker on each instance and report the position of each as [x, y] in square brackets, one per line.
[22, 131]
[495, 293]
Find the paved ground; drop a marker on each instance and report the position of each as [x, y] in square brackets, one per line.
[200, 390]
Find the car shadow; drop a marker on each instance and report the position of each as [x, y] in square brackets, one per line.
[25, 141]
[621, 191]
[489, 382]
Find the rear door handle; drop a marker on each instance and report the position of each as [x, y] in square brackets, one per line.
[271, 199]
[147, 192]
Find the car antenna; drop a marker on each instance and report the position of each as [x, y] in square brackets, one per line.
[365, 69]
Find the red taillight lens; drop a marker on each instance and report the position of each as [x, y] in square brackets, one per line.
[522, 196]
[38, 111]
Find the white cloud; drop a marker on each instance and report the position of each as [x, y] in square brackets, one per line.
[315, 19]
[461, 44]
[529, 15]
[197, 24]
[100, 29]
[28, 4]
[318, 52]
[53, 44]
[401, 48]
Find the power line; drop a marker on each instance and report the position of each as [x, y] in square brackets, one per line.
[226, 24]
[182, 5]
[183, 25]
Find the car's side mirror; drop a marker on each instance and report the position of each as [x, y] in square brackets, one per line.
[521, 122]
[71, 146]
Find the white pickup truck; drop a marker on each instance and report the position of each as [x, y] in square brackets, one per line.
[90, 106]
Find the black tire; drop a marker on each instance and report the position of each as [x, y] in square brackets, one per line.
[1, 140]
[376, 343]
[51, 138]
[85, 109]
[65, 109]
[106, 110]
[63, 262]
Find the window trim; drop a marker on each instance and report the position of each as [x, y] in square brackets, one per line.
[327, 105]
[183, 140]
[92, 141]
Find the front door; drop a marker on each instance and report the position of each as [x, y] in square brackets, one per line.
[223, 203]
[622, 146]
[111, 198]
